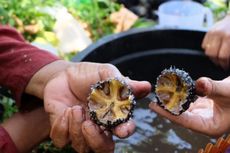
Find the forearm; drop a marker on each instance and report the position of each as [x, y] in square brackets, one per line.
[19, 61]
[28, 129]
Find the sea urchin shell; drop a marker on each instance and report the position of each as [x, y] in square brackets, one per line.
[111, 102]
[175, 90]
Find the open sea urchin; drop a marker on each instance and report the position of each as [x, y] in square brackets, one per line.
[110, 102]
[175, 90]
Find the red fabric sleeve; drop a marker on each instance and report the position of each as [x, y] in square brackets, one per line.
[19, 61]
[6, 143]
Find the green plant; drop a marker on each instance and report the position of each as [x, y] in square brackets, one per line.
[25, 15]
[9, 107]
[48, 147]
[144, 23]
[95, 13]
[219, 8]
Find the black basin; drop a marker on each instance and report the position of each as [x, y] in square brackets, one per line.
[142, 54]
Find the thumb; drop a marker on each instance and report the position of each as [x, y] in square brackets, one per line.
[208, 87]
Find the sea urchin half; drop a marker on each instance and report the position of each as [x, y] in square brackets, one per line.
[110, 102]
[175, 90]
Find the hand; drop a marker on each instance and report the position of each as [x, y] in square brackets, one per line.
[65, 99]
[208, 115]
[217, 43]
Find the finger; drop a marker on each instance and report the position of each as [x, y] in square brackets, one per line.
[224, 63]
[202, 86]
[78, 76]
[54, 108]
[209, 87]
[98, 141]
[156, 108]
[108, 71]
[215, 60]
[140, 88]
[213, 45]
[59, 130]
[85, 74]
[76, 119]
[124, 130]
[224, 53]
[198, 104]
[188, 120]
[206, 40]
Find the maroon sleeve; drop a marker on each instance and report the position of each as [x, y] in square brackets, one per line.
[19, 61]
[6, 143]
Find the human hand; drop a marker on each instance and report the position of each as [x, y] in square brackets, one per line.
[65, 99]
[208, 115]
[217, 43]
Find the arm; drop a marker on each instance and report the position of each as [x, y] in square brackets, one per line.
[19, 61]
[64, 86]
[24, 136]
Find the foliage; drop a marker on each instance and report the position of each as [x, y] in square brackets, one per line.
[26, 17]
[219, 8]
[95, 13]
[48, 147]
[9, 107]
[143, 23]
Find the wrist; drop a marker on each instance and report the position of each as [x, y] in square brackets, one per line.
[38, 82]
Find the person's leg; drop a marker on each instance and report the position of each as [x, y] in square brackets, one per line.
[27, 129]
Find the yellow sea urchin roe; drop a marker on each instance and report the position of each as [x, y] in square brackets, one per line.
[111, 101]
[171, 91]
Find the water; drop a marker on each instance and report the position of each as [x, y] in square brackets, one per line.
[157, 134]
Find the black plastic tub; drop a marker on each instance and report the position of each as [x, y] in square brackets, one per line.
[142, 54]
